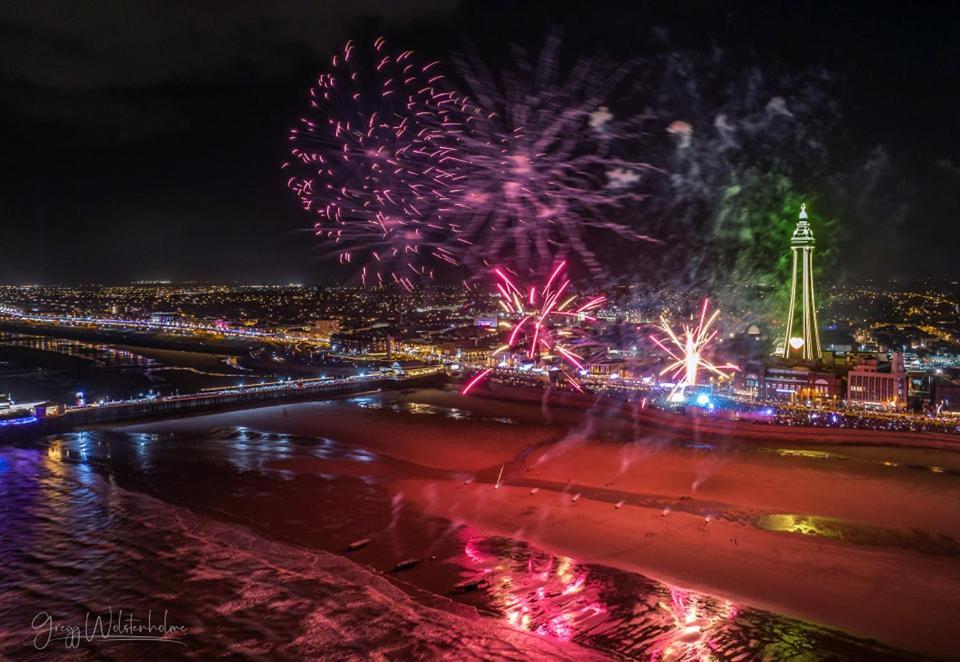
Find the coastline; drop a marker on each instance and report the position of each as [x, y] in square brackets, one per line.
[710, 427]
[838, 576]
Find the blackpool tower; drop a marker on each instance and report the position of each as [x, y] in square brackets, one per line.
[801, 339]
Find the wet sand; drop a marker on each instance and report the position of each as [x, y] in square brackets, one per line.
[94, 524]
[882, 561]
[473, 445]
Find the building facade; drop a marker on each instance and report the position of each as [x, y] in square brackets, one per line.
[373, 341]
[326, 327]
[869, 383]
[788, 382]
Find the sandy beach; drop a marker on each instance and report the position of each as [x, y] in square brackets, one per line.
[810, 530]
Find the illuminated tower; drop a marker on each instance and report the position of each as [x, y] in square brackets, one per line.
[801, 339]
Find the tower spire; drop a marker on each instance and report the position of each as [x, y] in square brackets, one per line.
[802, 336]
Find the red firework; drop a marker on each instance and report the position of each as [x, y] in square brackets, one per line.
[545, 322]
[374, 158]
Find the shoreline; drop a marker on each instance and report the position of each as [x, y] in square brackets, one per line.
[672, 426]
[681, 505]
[209, 354]
[708, 426]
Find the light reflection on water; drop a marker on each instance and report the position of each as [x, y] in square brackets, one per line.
[547, 596]
[556, 596]
[75, 543]
[102, 355]
[73, 537]
[627, 615]
[809, 454]
[858, 534]
[404, 407]
[804, 452]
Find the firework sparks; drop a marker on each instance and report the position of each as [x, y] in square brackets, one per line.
[545, 322]
[405, 174]
[543, 170]
[374, 159]
[687, 349]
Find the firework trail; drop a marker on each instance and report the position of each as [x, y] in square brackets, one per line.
[542, 164]
[545, 322]
[375, 158]
[687, 349]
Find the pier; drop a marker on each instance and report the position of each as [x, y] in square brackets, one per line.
[210, 400]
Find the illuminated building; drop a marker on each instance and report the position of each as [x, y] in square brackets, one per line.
[326, 327]
[605, 367]
[164, 318]
[801, 339]
[785, 382]
[47, 408]
[373, 341]
[868, 384]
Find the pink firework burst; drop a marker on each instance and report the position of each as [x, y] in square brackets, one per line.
[374, 159]
[687, 349]
[544, 172]
[546, 322]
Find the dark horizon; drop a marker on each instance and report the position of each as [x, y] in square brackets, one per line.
[145, 144]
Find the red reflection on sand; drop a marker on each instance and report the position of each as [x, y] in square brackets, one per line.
[696, 619]
[546, 594]
[558, 597]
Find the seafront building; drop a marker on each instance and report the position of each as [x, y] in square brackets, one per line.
[788, 382]
[870, 383]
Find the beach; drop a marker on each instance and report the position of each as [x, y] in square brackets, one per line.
[741, 520]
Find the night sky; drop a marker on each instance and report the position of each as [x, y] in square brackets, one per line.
[143, 140]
